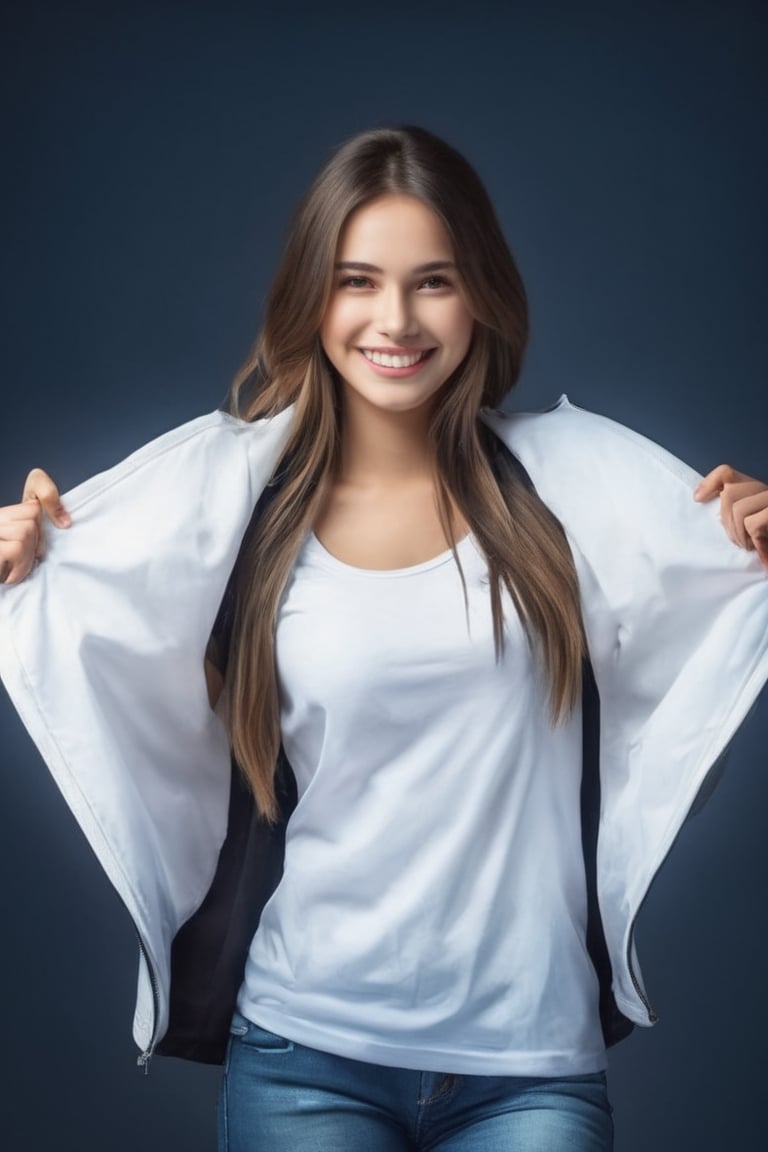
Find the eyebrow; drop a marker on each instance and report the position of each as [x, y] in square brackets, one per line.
[359, 266]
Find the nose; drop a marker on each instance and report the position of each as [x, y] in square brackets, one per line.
[396, 316]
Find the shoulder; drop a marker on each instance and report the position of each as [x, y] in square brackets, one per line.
[625, 502]
[568, 451]
[214, 450]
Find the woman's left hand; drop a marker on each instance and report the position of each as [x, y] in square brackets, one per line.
[743, 507]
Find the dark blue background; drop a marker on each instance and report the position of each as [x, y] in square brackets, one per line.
[152, 153]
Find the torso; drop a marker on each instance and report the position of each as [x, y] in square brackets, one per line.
[432, 908]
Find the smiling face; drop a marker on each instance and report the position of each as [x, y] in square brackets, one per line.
[397, 324]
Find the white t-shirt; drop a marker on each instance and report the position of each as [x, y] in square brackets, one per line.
[432, 911]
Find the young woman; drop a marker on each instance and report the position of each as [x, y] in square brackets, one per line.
[470, 666]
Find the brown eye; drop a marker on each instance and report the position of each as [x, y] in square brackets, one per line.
[436, 282]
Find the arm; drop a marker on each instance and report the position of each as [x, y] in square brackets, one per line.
[22, 542]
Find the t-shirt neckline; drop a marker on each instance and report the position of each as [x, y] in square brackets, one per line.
[320, 552]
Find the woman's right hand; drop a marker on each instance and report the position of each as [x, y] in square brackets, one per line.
[22, 541]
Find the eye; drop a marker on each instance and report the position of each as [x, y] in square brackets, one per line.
[354, 282]
[436, 282]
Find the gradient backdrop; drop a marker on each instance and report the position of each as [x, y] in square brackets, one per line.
[152, 153]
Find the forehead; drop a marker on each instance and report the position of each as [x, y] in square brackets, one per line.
[393, 227]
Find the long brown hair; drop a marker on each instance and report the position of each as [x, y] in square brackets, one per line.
[523, 543]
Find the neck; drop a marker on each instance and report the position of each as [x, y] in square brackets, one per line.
[378, 446]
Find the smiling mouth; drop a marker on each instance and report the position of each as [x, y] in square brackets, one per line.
[386, 360]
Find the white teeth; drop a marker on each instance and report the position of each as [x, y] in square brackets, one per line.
[384, 360]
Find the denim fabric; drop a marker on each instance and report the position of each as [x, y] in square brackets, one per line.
[277, 1096]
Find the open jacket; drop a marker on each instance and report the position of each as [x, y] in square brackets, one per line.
[101, 650]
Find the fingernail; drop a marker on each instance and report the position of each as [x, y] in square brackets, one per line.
[63, 518]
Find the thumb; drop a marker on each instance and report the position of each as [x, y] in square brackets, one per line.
[40, 487]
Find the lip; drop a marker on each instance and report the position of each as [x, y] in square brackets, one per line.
[395, 373]
[395, 351]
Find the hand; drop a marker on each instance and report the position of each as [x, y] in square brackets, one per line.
[21, 526]
[743, 507]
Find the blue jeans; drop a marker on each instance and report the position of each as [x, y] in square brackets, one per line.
[277, 1096]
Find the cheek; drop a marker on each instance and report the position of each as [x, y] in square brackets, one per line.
[341, 322]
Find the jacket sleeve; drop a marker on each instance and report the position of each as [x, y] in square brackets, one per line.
[101, 651]
[676, 617]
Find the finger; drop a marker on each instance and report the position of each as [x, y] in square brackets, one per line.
[737, 501]
[756, 527]
[28, 511]
[21, 524]
[40, 487]
[16, 561]
[23, 530]
[712, 484]
[20, 539]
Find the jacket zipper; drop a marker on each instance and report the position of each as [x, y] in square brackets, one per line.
[715, 770]
[652, 1016]
[144, 1057]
